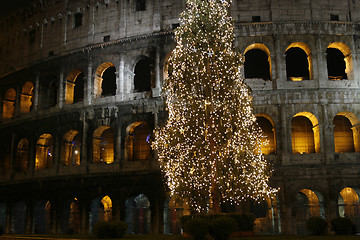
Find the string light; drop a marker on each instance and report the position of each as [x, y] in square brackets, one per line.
[210, 146]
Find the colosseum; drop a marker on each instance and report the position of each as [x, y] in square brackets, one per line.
[80, 92]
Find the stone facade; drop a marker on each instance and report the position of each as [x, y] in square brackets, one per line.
[66, 151]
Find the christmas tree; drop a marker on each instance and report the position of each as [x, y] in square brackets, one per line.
[209, 149]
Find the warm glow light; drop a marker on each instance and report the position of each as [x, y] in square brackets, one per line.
[209, 149]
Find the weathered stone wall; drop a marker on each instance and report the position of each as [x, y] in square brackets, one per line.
[40, 44]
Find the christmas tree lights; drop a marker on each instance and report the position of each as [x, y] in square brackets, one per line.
[209, 149]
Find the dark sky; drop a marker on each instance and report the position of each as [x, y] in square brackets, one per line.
[10, 5]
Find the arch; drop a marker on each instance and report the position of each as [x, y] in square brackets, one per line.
[346, 132]
[26, 97]
[18, 217]
[298, 62]
[5, 156]
[257, 61]
[74, 90]
[71, 148]
[142, 75]
[41, 217]
[53, 93]
[309, 203]
[100, 210]
[138, 214]
[339, 61]
[349, 205]
[9, 103]
[268, 143]
[174, 209]
[74, 216]
[44, 152]
[305, 134]
[138, 141]
[103, 145]
[98, 82]
[22, 156]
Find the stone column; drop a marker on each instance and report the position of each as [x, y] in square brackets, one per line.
[37, 92]
[121, 78]
[8, 227]
[284, 136]
[84, 216]
[61, 94]
[29, 217]
[88, 86]
[322, 74]
[157, 89]
[117, 157]
[17, 102]
[356, 137]
[280, 64]
[84, 156]
[57, 151]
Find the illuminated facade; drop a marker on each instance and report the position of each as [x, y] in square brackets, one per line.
[80, 96]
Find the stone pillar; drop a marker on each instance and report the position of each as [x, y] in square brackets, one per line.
[280, 64]
[61, 94]
[322, 75]
[17, 102]
[356, 137]
[328, 145]
[12, 163]
[121, 79]
[88, 86]
[117, 143]
[157, 216]
[37, 92]
[84, 155]
[57, 151]
[29, 217]
[157, 88]
[8, 227]
[84, 216]
[284, 136]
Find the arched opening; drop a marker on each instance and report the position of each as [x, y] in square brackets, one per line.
[5, 156]
[22, 156]
[41, 217]
[257, 63]
[308, 204]
[26, 97]
[101, 210]
[268, 143]
[174, 209]
[103, 145]
[346, 132]
[138, 141]
[70, 217]
[44, 152]
[108, 85]
[74, 217]
[349, 205]
[74, 87]
[71, 148]
[138, 214]
[305, 135]
[105, 80]
[53, 93]
[343, 134]
[298, 62]
[339, 61]
[142, 75]
[18, 217]
[9, 103]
